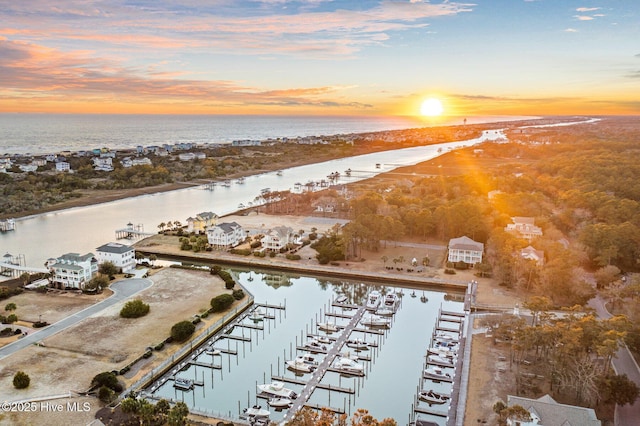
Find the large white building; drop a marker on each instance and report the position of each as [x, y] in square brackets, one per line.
[121, 255]
[225, 235]
[546, 411]
[72, 270]
[525, 227]
[464, 249]
[278, 238]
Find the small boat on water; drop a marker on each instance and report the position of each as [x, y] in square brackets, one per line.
[226, 183]
[341, 299]
[323, 339]
[279, 173]
[302, 364]
[212, 351]
[280, 402]
[413, 294]
[437, 374]
[328, 327]
[373, 300]
[256, 315]
[441, 336]
[277, 390]
[375, 321]
[443, 351]
[391, 301]
[256, 415]
[440, 360]
[240, 180]
[433, 397]
[384, 312]
[183, 384]
[357, 344]
[314, 345]
[349, 366]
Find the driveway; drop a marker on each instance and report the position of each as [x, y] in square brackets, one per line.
[623, 363]
[122, 290]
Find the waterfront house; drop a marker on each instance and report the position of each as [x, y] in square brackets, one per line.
[464, 249]
[186, 156]
[63, 166]
[72, 270]
[524, 227]
[278, 238]
[103, 164]
[201, 222]
[546, 411]
[7, 225]
[225, 235]
[121, 255]
[143, 161]
[28, 167]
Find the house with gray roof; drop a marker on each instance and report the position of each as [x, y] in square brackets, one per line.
[121, 255]
[72, 270]
[225, 235]
[545, 411]
[464, 249]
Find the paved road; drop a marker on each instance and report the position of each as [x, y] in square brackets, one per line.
[121, 291]
[623, 363]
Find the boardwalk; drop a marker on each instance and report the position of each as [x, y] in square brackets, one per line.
[325, 365]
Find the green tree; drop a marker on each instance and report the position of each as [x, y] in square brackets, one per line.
[21, 380]
[618, 389]
[182, 330]
[97, 283]
[108, 269]
[134, 309]
[222, 302]
[178, 414]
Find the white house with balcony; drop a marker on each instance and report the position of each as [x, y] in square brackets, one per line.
[72, 270]
[464, 249]
[277, 238]
[201, 222]
[121, 255]
[63, 166]
[530, 253]
[225, 235]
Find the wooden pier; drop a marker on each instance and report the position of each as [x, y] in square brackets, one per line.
[430, 411]
[325, 365]
[205, 364]
[232, 337]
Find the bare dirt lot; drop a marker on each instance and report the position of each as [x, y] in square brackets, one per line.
[104, 342]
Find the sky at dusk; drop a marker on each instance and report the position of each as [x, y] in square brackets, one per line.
[488, 57]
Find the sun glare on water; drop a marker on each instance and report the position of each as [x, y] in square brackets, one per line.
[431, 107]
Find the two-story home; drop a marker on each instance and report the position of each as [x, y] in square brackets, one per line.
[464, 249]
[277, 238]
[524, 227]
[72, 270]
[121, 255]
[225, 235]
[530, 253]
[201, 222]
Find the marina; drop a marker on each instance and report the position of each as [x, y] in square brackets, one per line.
[341, 377]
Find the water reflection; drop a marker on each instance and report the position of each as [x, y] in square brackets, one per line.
[393, 362]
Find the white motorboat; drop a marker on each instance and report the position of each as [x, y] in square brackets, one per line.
[277, 390]
[433, 397]
[255, 412]
[440, 360]
[303, 363]
[212, 351]
[437, 374]
[323, 339]
[328, 327]
[341, 299]
[373, 300]
[280, 402]
[391, 301]
[183, 384]
[314, 345]
[357, 344]
[256, 315]
[384, 311]
[349, 366]
[375, 321]
[445, 352]
[444, 337]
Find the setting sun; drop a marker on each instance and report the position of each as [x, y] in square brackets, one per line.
[431, 107]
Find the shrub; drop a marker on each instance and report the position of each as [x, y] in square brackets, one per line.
[147, 354]
[40, 324]
[105, 394]
[238, 294]
[182, 330]
[159, 346]
[243, 252]
[229, 282]
[196, 320]
[221, 303]
[255, 244]
[272, 254]
[204, 314]
[107, 379]
[293, 257]
[134, 309]
[21, 380]
[449, 271]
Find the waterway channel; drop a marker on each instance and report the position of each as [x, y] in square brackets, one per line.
[81, 230]
[392, 377]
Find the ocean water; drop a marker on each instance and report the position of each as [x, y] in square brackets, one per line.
[52, 133]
